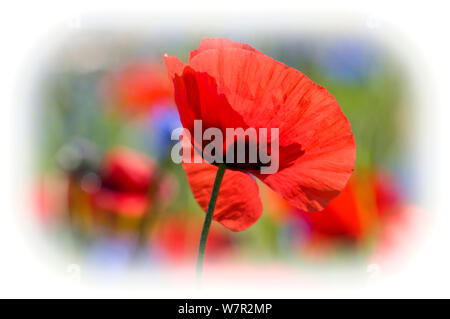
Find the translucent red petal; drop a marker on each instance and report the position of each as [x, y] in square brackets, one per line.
[238, 205]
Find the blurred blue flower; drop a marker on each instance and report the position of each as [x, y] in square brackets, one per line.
[112, 255]
[295, 231]
[350, 60]
[163, 120]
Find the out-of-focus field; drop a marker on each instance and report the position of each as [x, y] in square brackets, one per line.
[106, 189]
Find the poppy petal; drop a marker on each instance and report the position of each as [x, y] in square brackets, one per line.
[185, 90]
[174, 66]
[220, 43]
[238, 205]
[316, 177]
[195, 94]
[265, 92]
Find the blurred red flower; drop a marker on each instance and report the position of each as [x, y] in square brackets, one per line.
[232, 85]
[365, 208]
[126, 176]
[49, 194]
[177, 239]
[351, 215]
[139, 85]
[387, 192]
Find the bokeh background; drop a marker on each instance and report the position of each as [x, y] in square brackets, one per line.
[106, 191]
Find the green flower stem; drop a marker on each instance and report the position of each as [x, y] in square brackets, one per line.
[208, 220]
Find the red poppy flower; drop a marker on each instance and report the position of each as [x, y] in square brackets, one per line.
[232, 85]
[139, 85]
[369, 205]
[177, 238]
[387, 192]
[126, 178]
[351, 215]
[49, 196]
